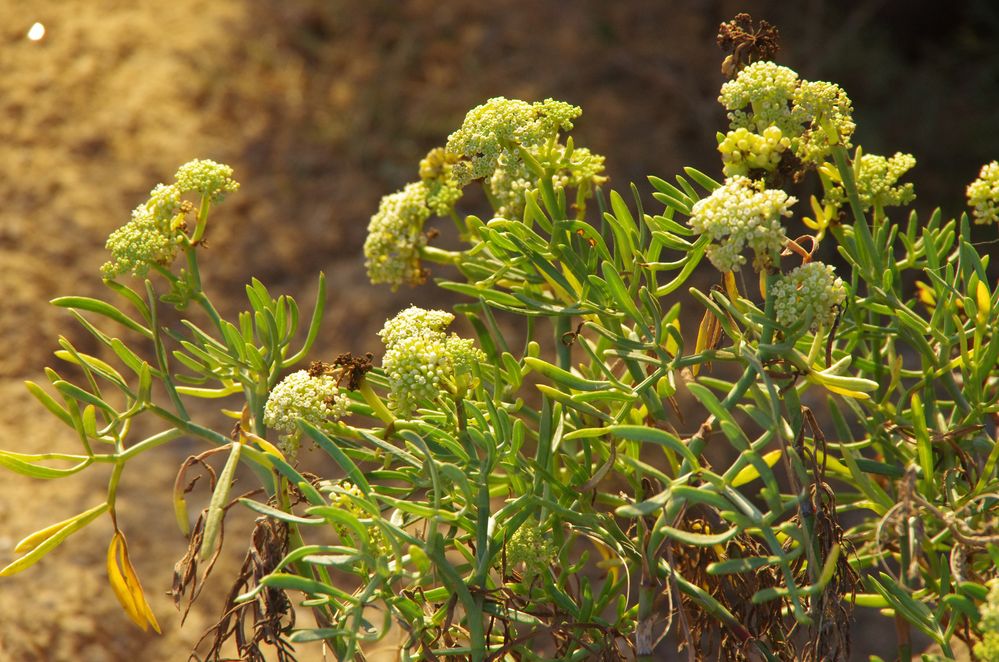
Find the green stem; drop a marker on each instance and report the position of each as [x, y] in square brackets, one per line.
[439, 255]
[149, 443]
[375, 402]
[868, 256]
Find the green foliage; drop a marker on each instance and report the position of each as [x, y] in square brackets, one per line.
[552, 498]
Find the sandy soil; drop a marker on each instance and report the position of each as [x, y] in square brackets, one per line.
[322, 107]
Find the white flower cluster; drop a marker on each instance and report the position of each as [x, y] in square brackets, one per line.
[742, 150]
[395, 237]
[301, 395]
[420, 356]
[742, 213]
[811, 292]
[983, 195]
[207, 178]
[813, 115]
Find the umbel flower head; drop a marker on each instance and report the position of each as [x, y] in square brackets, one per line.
[206, 177]
[531, 548]
[983, 196]
[437, 174]
[488, 148]
[742, 213]
[877, 182]
[139, 244]
[760, 97]
[421, 359]
[499, 126]
[809, 292]
[395, 237]
[312, 397]
[156, 230]
[813, 115]
[742, 150]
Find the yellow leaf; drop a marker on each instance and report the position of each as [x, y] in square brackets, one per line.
[126, 586]
[707, 335]
[42, 542]
[984, 302]
[750, 473]
[265, 445]
[671, 346]
[925, 295]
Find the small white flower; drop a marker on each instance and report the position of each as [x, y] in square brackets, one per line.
[741, 213]
[314, 399]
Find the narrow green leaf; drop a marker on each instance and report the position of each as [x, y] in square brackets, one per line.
[102, 308]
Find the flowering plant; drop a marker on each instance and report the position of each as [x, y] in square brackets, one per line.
[584, 477]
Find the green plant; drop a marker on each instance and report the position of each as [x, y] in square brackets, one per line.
[551, 497]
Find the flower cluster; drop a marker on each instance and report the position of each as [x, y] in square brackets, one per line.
[811, 292]
[498, 127]
[206, 177]
[827, 115]
[983, 195]
[742, 150]
[345, 495]
[531, 548]
[766, 89]
[144, 241]
[395, 237]
[813, 115]
[421, 360]
[313, 398]
[877, 182]
[437, 174]
[156, 230]
[742, 213]
[987, 649]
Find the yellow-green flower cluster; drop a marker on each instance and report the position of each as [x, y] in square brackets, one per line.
[344, 495]
[742, 150]
[827, 115]
[987, 650]
[152, 236]
[812, 115]
[742, 213]
[529, 547]
[314, 399]
[507, 186]
[512, 178]
[156, 230]
[437, 174]
[877, 182]
[421, 360]
[499, 126]
[395, 237]
[206, 177]
[139, 244]
[760, 97]
[811, 292]
[983, 195]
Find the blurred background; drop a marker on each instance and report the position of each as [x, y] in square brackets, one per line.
[322, 107]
